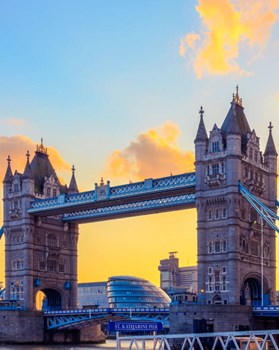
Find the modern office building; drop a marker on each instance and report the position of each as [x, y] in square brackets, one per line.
[92, 295]
[173, 277]
[121, 292]
[134, 292]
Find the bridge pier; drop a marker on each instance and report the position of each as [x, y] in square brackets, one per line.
[28, 327]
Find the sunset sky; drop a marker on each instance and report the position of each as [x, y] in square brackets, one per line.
[114, 88]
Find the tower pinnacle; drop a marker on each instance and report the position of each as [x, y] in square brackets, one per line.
[9, 175]
[73, 184]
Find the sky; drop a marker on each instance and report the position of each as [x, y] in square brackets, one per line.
[114, 88]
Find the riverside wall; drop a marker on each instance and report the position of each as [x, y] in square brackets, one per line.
[185, 318]
[27, 327]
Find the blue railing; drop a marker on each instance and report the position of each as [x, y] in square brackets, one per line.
[105, 192]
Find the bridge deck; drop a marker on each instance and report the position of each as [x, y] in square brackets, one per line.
[105, 202]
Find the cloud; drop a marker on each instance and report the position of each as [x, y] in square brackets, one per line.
[13, 122]
[277, 96]
[17, 146]
[227, 27]
[153, 154]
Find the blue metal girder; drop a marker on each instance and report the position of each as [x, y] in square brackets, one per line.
[265, 213]
[1, 231]
[266, 311]
[79, 318]
[276, 203]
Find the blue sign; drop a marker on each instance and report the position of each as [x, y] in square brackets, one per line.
[135, 326]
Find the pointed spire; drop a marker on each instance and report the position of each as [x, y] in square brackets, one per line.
[236, 98]
[233, 127]
[270, 149]
[27, 171]
[41, 148]
[73, 184]
[201, 133]
[9, 175]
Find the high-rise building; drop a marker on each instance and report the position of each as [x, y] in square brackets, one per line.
[173, 277]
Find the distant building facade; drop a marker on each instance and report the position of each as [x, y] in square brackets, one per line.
[174, 278]
[92, 295]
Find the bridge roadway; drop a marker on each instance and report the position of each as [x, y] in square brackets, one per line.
[76, 319]
[106, 202]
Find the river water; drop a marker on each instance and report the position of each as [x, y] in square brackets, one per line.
[109, 345]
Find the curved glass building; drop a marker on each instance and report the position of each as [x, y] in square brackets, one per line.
[134, 292]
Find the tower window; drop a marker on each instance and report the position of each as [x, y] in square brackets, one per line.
[51, 266]
[215, 146]
[250, 153]
[217, 247]
[217, 214]
[256, 156]
[52, 240]
[215, 169]
[54, 192]
[224, 246]
[48, 191]
[224, 213]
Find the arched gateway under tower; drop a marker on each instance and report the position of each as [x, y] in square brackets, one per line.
[236, 255]
[41, 252]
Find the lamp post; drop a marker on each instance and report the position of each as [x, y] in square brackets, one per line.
[262, 258]
[262, 262]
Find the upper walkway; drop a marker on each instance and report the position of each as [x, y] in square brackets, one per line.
[106, 202]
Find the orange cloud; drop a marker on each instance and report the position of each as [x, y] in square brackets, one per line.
[228, 26]
[153, 154]
[17, 146]
[14, 122]
[277, 96]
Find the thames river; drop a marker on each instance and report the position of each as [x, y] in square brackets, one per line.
[109, 345]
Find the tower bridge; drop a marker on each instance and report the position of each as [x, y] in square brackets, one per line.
[236, 260]
[106, 202]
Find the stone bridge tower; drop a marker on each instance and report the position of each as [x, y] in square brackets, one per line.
[41, 253]
[230, 235]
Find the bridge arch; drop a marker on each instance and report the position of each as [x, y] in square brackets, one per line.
[251, 289]
[49, 299]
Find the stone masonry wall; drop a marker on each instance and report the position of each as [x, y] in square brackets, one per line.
[21, 327]
[219, 318]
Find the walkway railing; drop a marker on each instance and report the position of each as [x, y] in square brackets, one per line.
[106, 192]
[247, 340]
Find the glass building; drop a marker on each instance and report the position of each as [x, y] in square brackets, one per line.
[134, 292]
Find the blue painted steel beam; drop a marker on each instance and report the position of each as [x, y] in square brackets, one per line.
[276, 203]
[265, 213]
[78, 318]
[1, 231]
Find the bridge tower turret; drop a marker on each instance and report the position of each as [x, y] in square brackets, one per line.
[230, 235]
[41, 252]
